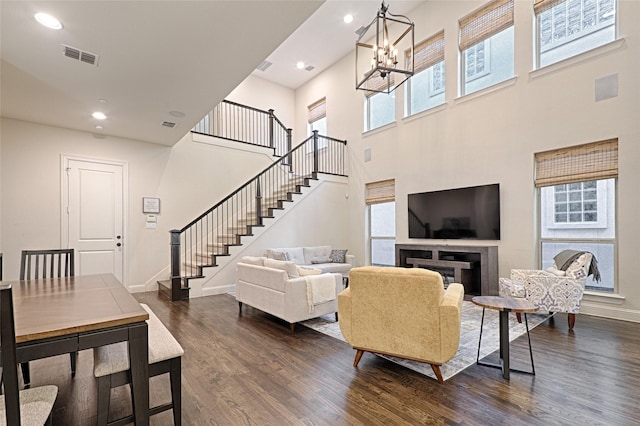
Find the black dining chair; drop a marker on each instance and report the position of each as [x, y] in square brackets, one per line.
[40, 264]
[30, 406]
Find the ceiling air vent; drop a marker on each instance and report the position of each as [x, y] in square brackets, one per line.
[80, 55]
[264, 65]
[168, 124]
[309, 68]
[361, 31]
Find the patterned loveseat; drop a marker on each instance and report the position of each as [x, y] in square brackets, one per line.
[552, 289]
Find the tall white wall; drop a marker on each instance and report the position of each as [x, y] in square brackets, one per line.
[492, 137]
[265, 95]
[188, 178]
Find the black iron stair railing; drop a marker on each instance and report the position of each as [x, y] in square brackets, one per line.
[242, 123]
[210, 235]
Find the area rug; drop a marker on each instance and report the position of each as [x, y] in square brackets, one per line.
[469, 334]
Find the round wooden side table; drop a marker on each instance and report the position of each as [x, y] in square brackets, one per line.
[505, 305]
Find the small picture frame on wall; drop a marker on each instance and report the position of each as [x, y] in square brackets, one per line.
[150, 205]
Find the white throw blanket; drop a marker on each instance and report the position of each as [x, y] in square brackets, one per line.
[320, 289]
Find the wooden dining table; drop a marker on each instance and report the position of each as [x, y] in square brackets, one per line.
[55, 316]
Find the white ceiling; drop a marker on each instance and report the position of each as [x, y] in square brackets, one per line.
[325, 38]
[156, 57]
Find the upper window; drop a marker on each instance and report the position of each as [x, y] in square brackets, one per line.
[569, 27]
[379, 108]
[486, 46]
[317, 119]
[426, 88]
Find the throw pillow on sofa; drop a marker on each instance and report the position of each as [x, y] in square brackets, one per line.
[308, 271]
[279, 255]
[338, 256]
[289, 267]
[320, 259]
[315, 251]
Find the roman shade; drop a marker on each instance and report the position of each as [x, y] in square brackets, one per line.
[485, 22]
[380, 192]
[540, 6]
[591, 161]
[317, 110]
[377, 84]
[428, 52]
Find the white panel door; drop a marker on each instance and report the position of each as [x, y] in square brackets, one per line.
[95, 212]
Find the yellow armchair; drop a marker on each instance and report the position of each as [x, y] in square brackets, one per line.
[401, 312]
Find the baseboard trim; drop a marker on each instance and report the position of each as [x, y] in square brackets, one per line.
[140, 288]
[212, 291]
[611, 312]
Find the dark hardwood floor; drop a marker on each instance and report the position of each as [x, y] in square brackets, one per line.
[249, 370]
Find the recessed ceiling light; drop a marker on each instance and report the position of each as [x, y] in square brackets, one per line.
[99, 115]
[48, 21]
[300, 65]
[99, 127]
[178, 114]
[102, 101]
[348, 19]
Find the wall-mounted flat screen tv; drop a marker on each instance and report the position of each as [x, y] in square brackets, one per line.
[461, 213]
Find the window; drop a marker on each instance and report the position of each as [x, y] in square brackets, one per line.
[426, 88]
[577, 205]
[380, 199]
[317, 119]
[486, 46]
[382, 221]
[379, 108]
[570, 27]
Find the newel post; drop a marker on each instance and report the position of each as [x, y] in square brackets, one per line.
[290, 157]
[271, 144]
[258, 202]
[315, 151]
[176, 280]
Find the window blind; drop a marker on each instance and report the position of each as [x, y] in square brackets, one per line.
[317, 110]
[540, 6]
[383, 191]
[428, 53]
[485, 22]
[591, 161]
[377, 84]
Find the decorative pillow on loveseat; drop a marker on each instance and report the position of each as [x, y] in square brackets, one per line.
[253, 260]
[338, 256]
[289, 267]
[320, 259]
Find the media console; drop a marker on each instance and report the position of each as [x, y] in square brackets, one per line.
[475, 267]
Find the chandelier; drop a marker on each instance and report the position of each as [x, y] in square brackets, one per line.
[380, 64]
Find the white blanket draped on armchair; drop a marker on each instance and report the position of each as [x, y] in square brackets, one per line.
[320, 289]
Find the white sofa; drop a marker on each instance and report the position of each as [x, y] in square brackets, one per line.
[315, 257]
[277, 288]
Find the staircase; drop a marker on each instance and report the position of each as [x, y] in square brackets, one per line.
[209, 237]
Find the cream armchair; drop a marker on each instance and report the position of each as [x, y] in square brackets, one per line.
[552, 289]
[401, 312]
